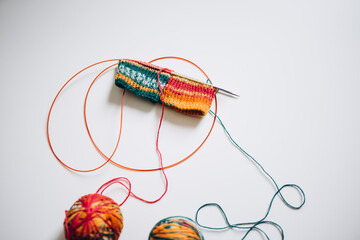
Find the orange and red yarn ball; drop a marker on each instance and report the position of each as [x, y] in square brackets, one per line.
[93, 216]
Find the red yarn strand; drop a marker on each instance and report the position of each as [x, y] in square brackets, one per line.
[116, 180]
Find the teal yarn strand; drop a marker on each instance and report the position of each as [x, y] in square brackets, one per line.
[250, 226]
[243, 226]
[262, 168]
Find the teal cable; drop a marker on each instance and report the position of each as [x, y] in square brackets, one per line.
[252, 225]
[262, 168]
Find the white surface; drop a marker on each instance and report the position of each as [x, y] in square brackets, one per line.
[294, 63]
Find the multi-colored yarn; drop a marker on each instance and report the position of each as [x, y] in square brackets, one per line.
[180, 93]
[175, 228]
[93, 216]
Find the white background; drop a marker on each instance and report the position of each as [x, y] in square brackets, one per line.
[294, 63]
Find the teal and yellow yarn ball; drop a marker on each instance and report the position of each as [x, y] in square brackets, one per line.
[175, 228]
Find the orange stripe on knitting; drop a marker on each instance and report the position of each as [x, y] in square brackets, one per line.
[135, 85]
[185, 97]
[187, 103]
[197, 96]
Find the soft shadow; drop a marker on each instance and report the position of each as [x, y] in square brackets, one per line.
[178, 118]
[131, 100]
[145, 106]
[61, 236]
[115, 95]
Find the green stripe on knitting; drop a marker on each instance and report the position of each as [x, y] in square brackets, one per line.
[143, 76]
[152, 97]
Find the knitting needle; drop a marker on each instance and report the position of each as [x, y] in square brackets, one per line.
[226, 91]
[217, 88]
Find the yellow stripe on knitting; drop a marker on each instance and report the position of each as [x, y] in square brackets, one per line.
[136, 85]
[186, 102]
[190, 105]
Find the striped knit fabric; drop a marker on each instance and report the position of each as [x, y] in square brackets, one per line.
[180, 93]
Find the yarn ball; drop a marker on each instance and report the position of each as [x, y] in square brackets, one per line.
[173, 228]
[93, 216]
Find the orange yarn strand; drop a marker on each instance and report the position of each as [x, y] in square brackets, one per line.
[109, 159]
[85, 118]
[48, 121]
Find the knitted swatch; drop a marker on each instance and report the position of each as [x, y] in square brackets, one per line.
[180, 93]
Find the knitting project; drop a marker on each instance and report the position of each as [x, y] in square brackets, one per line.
[178, 92]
